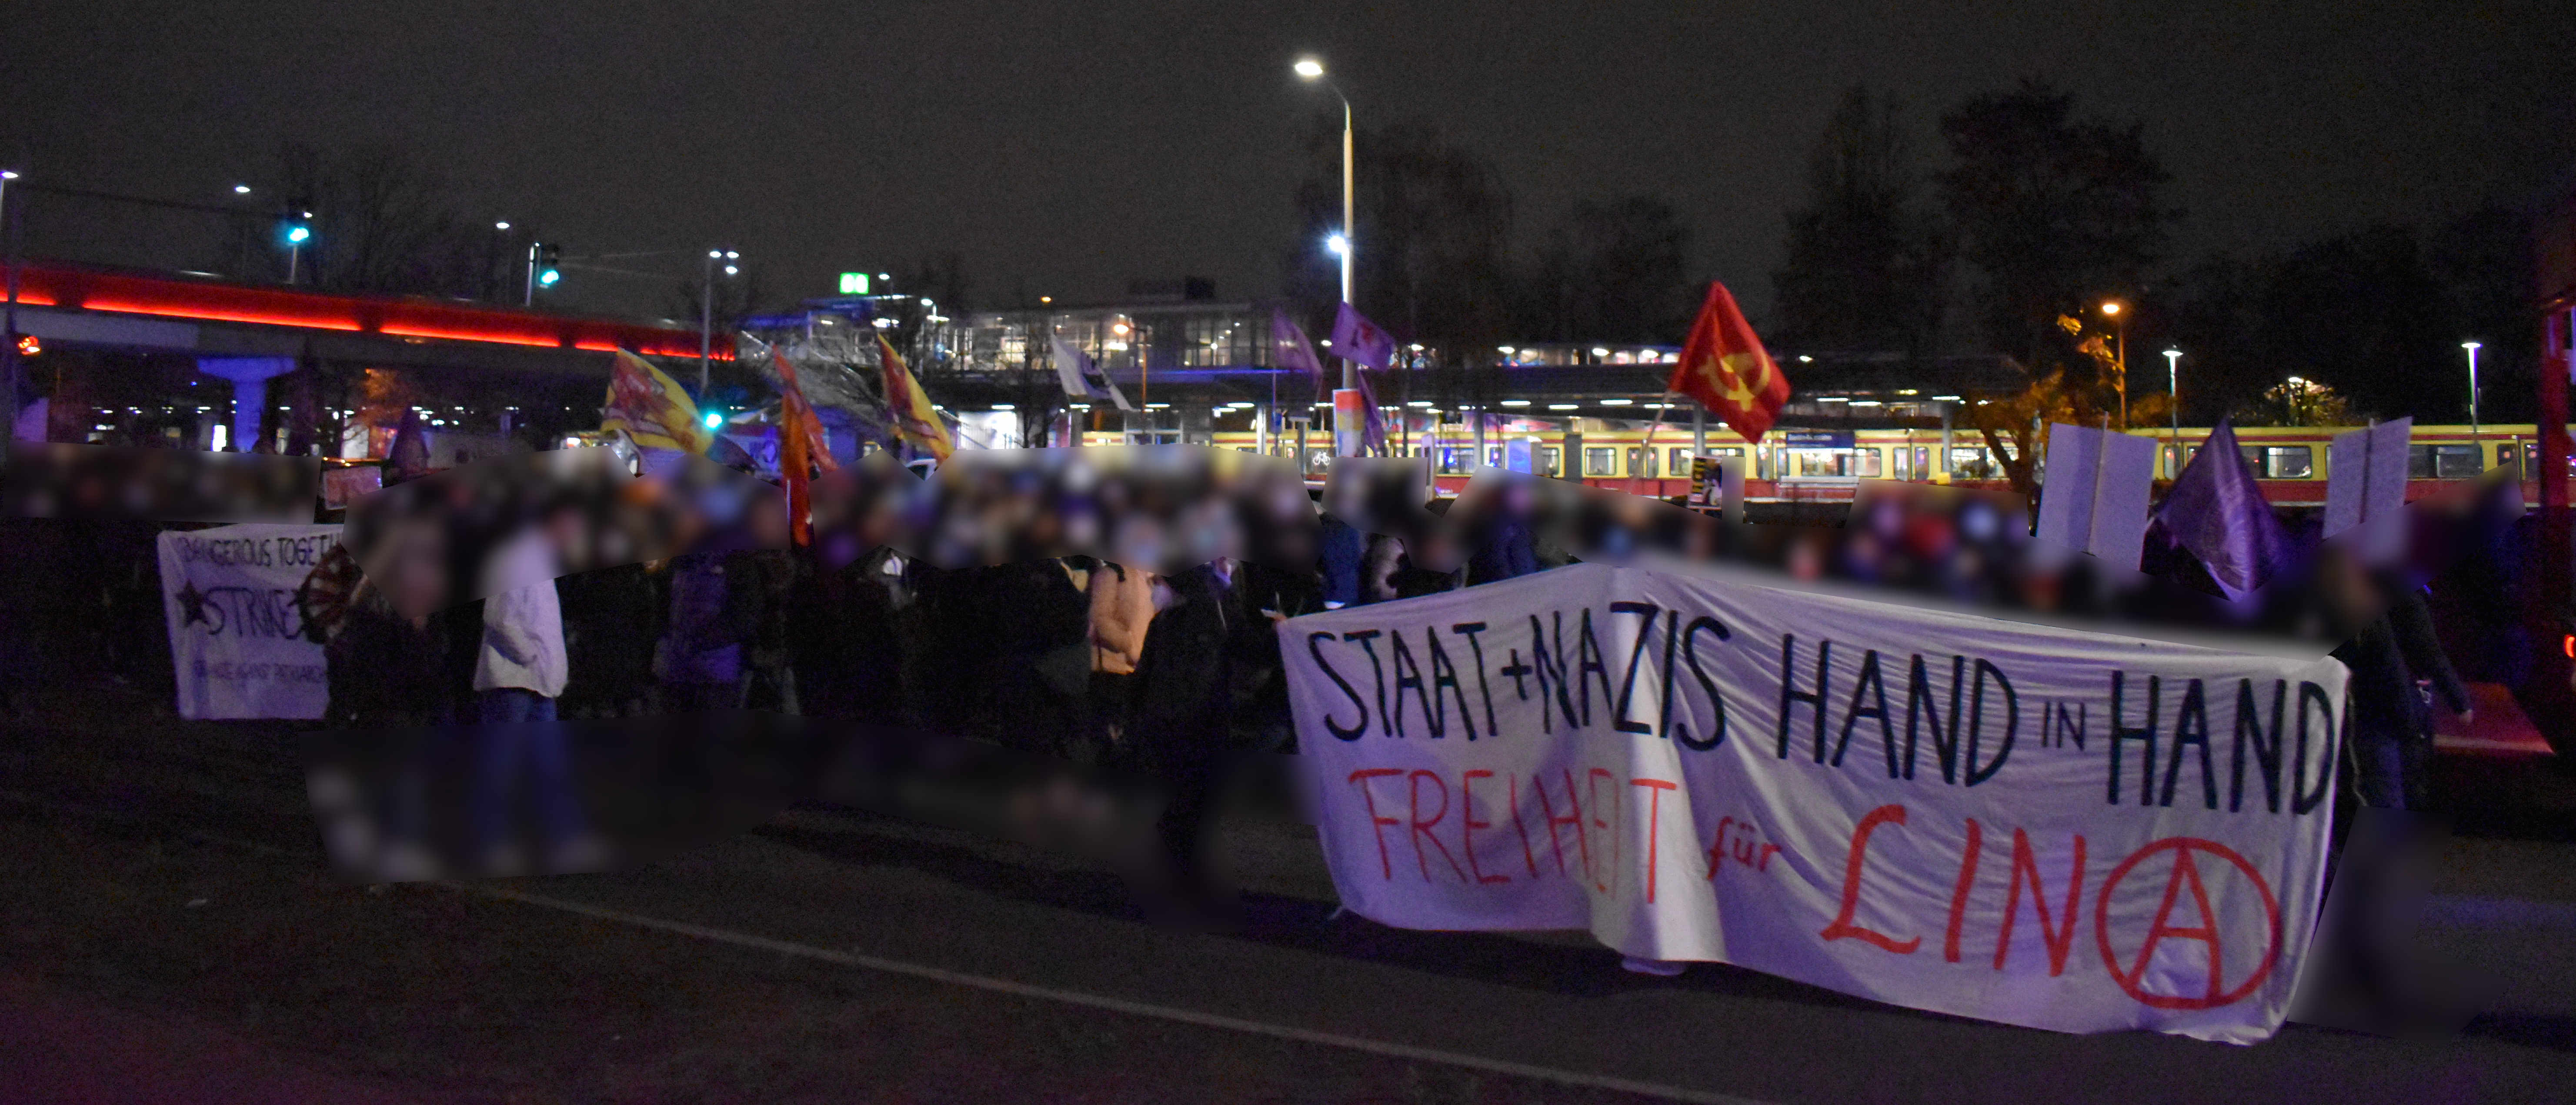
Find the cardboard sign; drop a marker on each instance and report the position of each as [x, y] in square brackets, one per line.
[1718, 482]
[2098, 486]
[2031, 825]
[2366, 488]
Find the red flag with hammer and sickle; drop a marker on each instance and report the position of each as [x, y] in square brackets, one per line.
[1724, 368]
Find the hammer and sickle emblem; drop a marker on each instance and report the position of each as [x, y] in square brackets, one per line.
[1739, 388]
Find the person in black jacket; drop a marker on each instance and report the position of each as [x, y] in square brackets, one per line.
[2390, 640]
[611, 618]
[2410, 622]
[1198, 651]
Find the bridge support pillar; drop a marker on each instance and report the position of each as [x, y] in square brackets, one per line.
[250, 377]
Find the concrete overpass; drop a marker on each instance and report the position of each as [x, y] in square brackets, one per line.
[249, 334]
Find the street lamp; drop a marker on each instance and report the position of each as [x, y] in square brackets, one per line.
[2473, 348]
[297, 233]
[1311, 69]
[10, 354]
[2173, 388]
[2121, 323]
[707, 310]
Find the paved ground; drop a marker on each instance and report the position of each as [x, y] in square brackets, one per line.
[168, 931]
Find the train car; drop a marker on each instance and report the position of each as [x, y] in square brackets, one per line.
[1800, 465]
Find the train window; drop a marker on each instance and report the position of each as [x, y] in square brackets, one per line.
[1872, 464]
[2288, 462]
[1641, 463]
[1544, 462]
[2531, 459]
[2443, 462]
[1493, 456]
[1452, 461]
[1600, 461]
[1680, 462]
[1971, 464]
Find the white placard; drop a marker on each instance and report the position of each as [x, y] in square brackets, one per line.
[236, 634]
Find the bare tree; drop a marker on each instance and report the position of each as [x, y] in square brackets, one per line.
[382, 224]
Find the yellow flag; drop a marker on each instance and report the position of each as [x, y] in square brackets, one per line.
[910, 408]
[652, 408]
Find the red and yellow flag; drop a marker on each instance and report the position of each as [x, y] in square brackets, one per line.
[652, 408]
[802, 449]
[909, 407]
[1724, 369]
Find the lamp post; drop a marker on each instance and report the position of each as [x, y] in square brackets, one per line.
[9, 358]
[2473, 348]
[707, 311]
[2120, 322]
[2173, 387]
[297, 233]
[1340, 243]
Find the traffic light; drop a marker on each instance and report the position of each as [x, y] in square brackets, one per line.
[549, 262]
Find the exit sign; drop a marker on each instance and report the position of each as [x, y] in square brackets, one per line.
[854, 283]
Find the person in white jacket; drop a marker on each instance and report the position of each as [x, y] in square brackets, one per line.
[521, 668]
[518, 673]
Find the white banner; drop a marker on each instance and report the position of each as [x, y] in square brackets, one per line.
[236, 636]
[2031, 825]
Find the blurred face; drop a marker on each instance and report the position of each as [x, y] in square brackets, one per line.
[1806, 560]
[2348, 587]
[565, 528]
[414, 569]
[769, 521]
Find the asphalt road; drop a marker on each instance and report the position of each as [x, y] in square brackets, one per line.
[169, 898]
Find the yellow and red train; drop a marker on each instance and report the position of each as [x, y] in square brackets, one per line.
[2290, 462]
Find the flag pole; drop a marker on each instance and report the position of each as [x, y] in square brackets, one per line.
[1663, 406]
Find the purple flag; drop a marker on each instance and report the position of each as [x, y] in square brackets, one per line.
[2218, 513]
[1290, 349]
[1357, 339]
[1372, 420]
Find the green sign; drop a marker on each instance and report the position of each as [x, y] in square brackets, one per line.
[854, 283]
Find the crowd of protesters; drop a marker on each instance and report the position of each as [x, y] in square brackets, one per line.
[1124, 620]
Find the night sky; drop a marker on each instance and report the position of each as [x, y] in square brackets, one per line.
[1065, 148]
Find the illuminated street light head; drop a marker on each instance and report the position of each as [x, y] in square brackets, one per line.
[1309, 68]
[733, 270]
[501, 226]
[241, 189]
[2472, 346]
[2111, 307]
[1337, 245]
